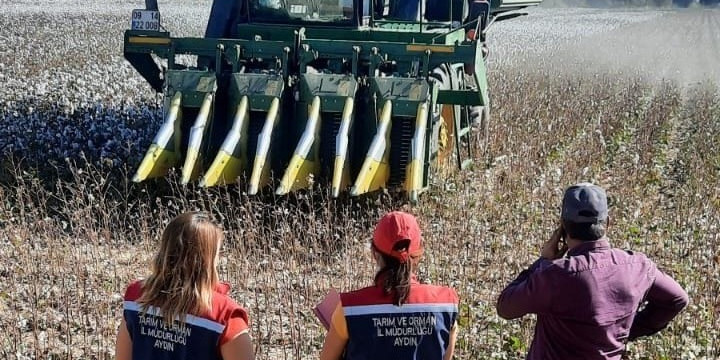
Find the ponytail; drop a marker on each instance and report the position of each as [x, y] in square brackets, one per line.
[395, 275]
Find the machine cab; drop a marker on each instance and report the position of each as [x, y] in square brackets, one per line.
[353, 14]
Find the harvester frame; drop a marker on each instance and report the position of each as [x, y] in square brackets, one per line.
[393, 90]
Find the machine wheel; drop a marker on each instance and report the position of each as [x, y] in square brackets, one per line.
[445, 115]
[452, 152]
[480, 116]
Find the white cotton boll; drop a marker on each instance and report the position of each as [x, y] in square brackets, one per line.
[81, 101]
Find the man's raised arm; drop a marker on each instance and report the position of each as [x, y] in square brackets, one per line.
[529, 293]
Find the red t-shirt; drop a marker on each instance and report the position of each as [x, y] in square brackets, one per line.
[201, 338]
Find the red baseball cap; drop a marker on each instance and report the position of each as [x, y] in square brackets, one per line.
[393, 228]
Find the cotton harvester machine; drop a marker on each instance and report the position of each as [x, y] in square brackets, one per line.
[353, 94]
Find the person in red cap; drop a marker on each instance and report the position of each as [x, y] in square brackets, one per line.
[397, 318]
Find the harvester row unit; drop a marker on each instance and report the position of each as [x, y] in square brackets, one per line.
[352, 95]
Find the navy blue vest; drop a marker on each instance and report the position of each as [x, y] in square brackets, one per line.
[419, 329]
[154, 340]
[199, 339]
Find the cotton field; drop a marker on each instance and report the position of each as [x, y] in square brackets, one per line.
[626, 98]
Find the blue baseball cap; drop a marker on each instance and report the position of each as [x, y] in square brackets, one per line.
[584, 203]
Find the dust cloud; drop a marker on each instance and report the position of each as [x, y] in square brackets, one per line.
[679, 45]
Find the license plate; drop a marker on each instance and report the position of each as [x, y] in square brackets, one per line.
[145, 20]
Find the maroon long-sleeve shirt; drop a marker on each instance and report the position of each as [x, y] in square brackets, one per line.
[587, 302]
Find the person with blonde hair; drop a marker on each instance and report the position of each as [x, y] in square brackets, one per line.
[182, 310]
[397, 318]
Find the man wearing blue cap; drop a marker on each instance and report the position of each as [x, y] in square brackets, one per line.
[586, 294]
